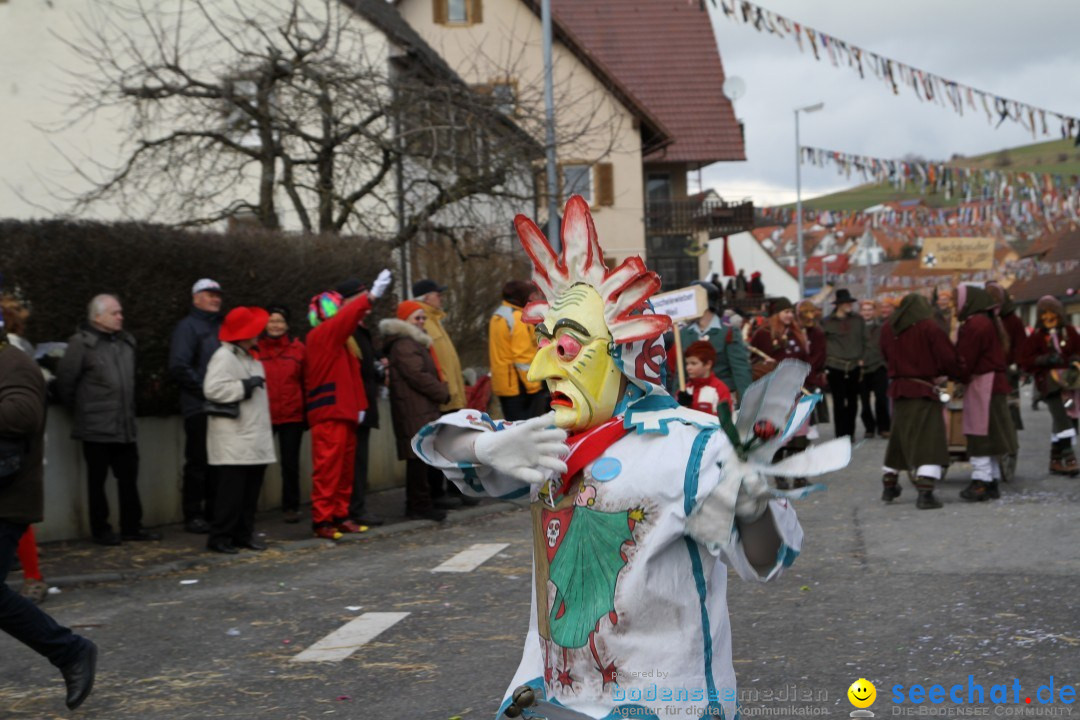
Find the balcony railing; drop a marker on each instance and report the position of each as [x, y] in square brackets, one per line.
[717, 217]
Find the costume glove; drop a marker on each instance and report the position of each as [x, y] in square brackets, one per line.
[529, 451]
[382, 282]
[685, 398]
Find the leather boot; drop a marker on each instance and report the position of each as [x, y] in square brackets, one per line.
[79, 675]
[992, 491]
[976, 491]
[1068, 459]
[926, 500]
[891, 487]
[1057, 463]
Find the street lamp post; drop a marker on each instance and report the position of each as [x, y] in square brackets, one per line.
[549, 128]
[798, 196]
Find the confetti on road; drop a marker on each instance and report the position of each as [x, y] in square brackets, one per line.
[349, 638]
[469, 560]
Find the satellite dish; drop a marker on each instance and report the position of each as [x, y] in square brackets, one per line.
[734, 88]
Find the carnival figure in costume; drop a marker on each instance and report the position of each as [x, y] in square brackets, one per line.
[634, 498]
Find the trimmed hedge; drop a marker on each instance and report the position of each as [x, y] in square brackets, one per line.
[56, 266]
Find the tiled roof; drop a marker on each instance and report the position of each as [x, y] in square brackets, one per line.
[664, 51]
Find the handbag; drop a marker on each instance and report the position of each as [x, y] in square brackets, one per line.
[13, 448]
[761, 365]
[215, 409]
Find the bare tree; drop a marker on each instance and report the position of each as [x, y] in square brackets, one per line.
[329, 115]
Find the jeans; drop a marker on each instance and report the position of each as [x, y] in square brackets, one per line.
[25, 621]
[123, 458]
[197, 494]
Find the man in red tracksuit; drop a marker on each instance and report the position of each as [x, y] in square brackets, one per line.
[335, 402]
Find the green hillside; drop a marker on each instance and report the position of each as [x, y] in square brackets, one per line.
[1055, 157]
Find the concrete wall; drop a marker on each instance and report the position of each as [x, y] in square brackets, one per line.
[161, 451]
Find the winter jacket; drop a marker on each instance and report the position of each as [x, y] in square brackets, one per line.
[732, 358]
[283, 362]
[249, 438]
[193, 342]
[334, 390]
[707, 395]
[916, 350]
[845, 339]
[415, 388]
[1039, 354]
[370, 374]
[96, 379]
[510, 351]
[448, 357]
[22, 417]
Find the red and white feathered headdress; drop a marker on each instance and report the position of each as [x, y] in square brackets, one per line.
[624, 290]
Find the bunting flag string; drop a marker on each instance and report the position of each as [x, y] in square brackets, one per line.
[927, 86]
[951, 180]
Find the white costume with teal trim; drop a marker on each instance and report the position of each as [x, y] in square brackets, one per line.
[655, 614]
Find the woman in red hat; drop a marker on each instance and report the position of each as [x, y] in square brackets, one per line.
[239, 438]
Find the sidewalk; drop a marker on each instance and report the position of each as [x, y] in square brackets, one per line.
[74, 562]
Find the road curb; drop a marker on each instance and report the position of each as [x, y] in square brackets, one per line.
[203, 560]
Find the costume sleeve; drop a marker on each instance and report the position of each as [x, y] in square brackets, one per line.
[473, 479]
[70, 370]
[343, 324]
[708, 502]
[739, 360]
[222, 384]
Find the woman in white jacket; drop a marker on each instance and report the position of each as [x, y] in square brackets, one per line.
[239, 437]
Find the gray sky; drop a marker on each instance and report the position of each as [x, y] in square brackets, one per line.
[1022, 51]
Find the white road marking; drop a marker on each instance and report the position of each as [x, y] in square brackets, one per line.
[350, 637]
[474, 557]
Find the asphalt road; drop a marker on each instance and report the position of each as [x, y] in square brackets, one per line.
[889, 593]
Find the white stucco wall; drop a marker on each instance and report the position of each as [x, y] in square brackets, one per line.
[507, 46]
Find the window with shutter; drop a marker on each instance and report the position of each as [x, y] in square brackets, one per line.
[605, 184]
[439, 10]
[458, 12]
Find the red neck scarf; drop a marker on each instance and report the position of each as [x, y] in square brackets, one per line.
[588, 445]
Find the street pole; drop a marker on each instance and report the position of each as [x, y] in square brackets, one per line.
[798, 197]
[798, 209]
[549, 112]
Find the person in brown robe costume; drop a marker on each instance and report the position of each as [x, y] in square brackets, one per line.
[917, 353]
[983, 347]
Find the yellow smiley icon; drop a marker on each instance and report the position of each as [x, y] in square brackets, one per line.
[862, 693]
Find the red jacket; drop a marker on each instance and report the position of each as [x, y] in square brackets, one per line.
[695, 386]
[283, 361]
[916, 357]
[1039, 349]
[981, 351]
[332, 384]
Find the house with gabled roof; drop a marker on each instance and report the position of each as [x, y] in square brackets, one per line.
[639, 107]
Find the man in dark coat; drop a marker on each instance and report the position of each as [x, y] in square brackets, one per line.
[982, 345]
[875, 378]
[845, 336]
[371, 373]
[22, 436]
[193, 342]
[916, 352]
[96, 378]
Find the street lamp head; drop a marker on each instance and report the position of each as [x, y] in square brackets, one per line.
[811, 108]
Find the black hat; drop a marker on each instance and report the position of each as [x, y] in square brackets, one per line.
[279, 309]
[421, 288]
[350, 287]
[843, 296]
[779, 305]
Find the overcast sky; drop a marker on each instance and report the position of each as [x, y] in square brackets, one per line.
[1023, 51]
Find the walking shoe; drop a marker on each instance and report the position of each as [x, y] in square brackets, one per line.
[884, 434]
[222, 546]
[1068, 458]
[79, 675]
[369, 519]
[975, 491]
[891, 487]
[782, 484]
[141, 535]
[328, 532]
[250, 544]
[107, 538]
[927, 501]
[197, 526]
[35, 590]
[799, 483]
[992, 491]
[348, 526]
[446, 502]
[290, 516]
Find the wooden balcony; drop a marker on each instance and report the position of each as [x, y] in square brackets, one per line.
[717, 217]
